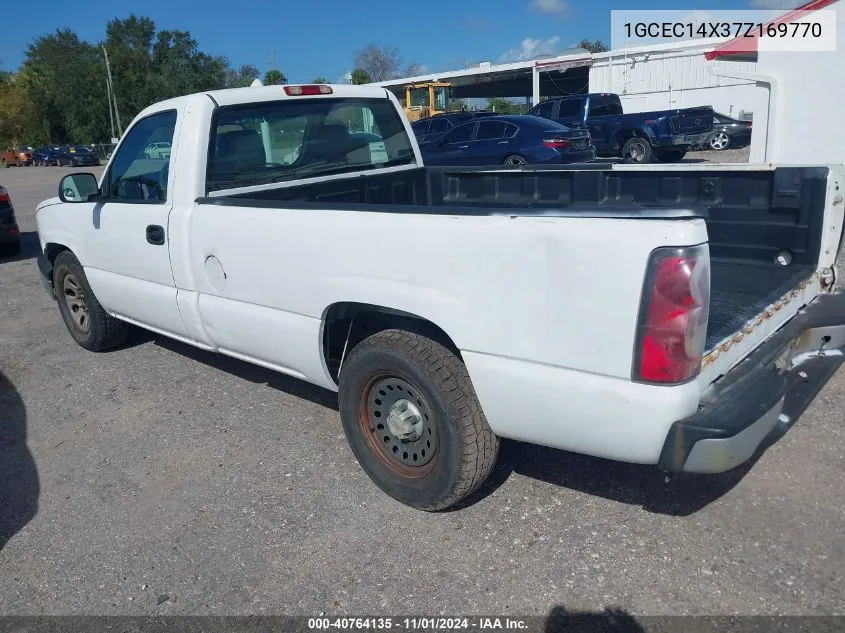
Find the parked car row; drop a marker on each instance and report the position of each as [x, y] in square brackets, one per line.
[57, 155]
[17, 157]
[604, 130]
[66, 155]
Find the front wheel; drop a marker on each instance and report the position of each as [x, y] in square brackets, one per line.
[413, 421]
[86, 320]
[637, 150]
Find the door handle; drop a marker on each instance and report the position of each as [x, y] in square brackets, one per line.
[503, 142]
[462, 146]
[155, 234]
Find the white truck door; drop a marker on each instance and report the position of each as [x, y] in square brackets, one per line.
[128, 263]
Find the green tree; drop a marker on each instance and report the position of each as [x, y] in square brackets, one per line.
[597, 46]
[359, 76]
[242, 77]
[274, 77]
[319, 79]
[503, 106]
[65, 79]
[17, 114]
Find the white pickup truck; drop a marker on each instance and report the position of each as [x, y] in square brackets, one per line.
[679, 316]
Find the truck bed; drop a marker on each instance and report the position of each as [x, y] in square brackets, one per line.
[742, 290]
[752, 215]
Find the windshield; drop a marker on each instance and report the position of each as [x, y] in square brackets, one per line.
[82, 150]
[419, 97]
[292, 139]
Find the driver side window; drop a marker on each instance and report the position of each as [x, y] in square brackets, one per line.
[136, 173]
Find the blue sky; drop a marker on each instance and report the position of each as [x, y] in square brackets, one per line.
[319, 38]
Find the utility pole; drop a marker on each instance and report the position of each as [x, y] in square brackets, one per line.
[111, 115]
[114, 96]
[274, 60]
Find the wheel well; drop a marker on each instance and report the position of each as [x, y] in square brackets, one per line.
[51, 251]
[346, 324]
[623, 135]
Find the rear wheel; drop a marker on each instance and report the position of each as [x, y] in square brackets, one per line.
[413, 420]
[86, 320]
[637, 150]
[515, 160]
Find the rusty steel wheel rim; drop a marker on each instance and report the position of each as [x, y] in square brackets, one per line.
[398, 425]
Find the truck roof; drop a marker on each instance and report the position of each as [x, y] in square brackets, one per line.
[234, 96]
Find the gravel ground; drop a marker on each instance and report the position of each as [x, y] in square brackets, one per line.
[158, 479]
[725, 156]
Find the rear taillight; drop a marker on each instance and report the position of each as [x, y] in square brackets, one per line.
[557, 143]
[316, 89]
[4, 195]
[673, 315]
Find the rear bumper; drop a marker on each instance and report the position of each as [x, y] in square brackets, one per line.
[580, 156]
[674, 140]
[755, 403]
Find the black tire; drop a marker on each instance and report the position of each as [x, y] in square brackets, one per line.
[515, 160]
[103, 331]
[637, 150]
[671, 155]
[464, 447]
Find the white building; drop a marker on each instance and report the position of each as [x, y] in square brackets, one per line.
[674, 75]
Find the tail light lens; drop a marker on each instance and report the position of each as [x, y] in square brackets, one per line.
[673, 315]
[556, 143]
[4, 195]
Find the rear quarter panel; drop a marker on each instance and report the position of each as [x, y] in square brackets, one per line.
[535, 304]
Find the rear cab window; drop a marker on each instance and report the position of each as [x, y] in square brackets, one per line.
[570, 108]
[292, 139]
[605, 106]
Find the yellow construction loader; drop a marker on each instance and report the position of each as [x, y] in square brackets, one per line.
[426, 99]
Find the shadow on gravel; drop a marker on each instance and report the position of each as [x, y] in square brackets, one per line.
[30, 247]
[634, 484]
[246, 371]
[561, 620]
[19, 486]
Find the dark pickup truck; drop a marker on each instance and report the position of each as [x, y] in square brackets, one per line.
[664, 136]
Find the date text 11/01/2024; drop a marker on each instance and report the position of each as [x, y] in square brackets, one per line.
[416, 624]
[679, 30]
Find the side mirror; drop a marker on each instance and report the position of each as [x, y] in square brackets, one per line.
[78, 187]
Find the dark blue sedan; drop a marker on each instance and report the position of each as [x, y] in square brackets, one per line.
[510, 140]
